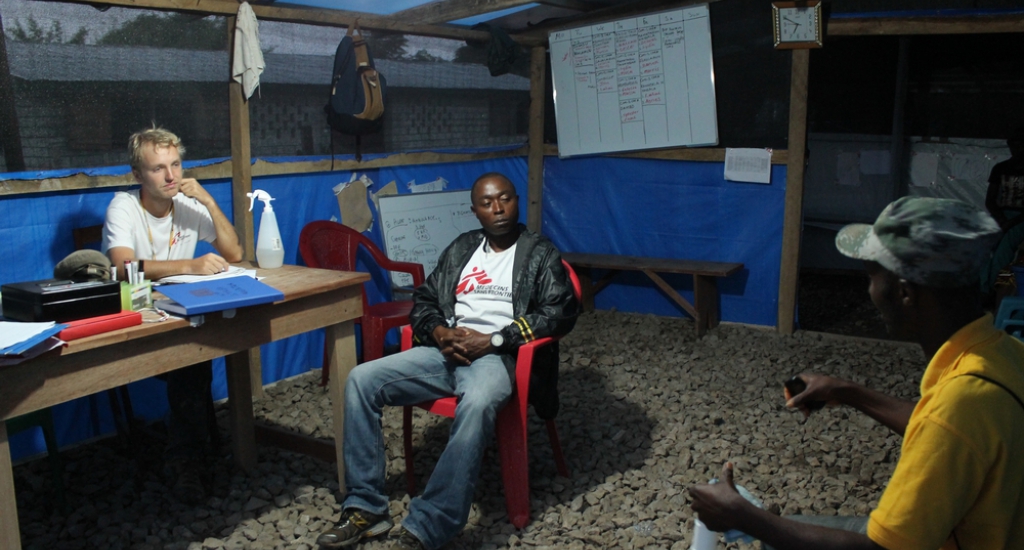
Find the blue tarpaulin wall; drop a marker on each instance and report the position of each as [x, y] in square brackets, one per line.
[36, 230]
[670, 209]
[600, 205]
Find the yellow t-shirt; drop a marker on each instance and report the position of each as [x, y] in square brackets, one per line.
[960, 476]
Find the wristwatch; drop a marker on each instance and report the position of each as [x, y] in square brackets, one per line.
[497, 340]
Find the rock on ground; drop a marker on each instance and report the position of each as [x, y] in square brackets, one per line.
[646, 411]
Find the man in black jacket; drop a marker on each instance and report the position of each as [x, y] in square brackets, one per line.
[493, 290]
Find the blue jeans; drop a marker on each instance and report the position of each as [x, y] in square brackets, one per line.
[407, 378]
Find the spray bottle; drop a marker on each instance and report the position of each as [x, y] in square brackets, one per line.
[269, 251]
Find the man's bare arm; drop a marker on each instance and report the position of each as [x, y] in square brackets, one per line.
[208, 264]
[227, 240]
[894, 413]
[722, 508]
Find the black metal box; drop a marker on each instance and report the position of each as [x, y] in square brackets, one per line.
[60, 300]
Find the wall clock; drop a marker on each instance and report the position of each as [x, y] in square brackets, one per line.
[797, 24]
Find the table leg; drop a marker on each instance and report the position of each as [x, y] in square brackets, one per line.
[340, 340]
[705, 301]
[10, 536]
[243, 437]
[586, 288]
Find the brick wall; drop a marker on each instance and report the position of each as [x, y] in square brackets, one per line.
[285, 120]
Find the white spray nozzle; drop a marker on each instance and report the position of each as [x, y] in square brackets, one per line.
[260, 195]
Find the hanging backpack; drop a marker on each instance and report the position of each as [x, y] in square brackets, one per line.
[356, 104]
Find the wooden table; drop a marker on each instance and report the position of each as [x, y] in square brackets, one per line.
[704, 308]
[313, 298]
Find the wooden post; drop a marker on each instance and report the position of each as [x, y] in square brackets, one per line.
[535, 158]
[789, 267]
[243, 434]
[10, 134]
[241, 183]
[9, 536]
[340, 340]
[899, 186]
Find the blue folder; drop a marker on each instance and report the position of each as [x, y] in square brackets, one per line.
[216, 295]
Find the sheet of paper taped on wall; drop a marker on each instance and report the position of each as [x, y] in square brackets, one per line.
[924, 167]
[848, 169]
[355, 212]
[874, 163]
[748, 165]
[440, 184]
[971, 167]
[389, 189]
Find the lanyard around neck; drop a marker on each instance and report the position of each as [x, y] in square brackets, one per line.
[149, 230]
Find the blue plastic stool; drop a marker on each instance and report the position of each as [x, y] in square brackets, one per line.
[1010, 316]
[44, 419]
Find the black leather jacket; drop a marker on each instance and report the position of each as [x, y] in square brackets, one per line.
[543, 304]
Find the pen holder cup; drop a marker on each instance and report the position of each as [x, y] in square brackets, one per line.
[136, 297]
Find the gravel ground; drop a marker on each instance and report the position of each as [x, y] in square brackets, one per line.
[647, 410]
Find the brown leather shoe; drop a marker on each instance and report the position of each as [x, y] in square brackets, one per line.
[354, 526]
[404, 540]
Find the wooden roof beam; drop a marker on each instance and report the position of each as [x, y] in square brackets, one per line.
[444, 11]
[879, 26]
[639, 7]
[578, 5]
[310, 16]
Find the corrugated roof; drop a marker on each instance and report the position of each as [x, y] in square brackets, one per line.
[85, 63]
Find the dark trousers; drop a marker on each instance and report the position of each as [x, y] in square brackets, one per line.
[188, 394]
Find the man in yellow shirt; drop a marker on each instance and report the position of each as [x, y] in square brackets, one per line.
[959, 480]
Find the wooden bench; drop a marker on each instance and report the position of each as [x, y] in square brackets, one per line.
[704, 310]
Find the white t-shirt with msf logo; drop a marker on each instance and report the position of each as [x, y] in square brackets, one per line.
[483, 298]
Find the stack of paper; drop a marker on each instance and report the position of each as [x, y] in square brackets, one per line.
[21, 341]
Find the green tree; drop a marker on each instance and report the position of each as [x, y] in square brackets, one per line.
[425, 57]
[476, 53]
[79, 37]
[176, 30]
[36, 34]
[387, 45]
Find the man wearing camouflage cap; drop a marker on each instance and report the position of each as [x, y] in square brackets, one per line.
[960, 476]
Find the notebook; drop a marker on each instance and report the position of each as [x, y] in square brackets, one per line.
[216, 295]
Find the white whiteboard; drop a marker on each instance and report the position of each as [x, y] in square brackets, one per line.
[639, 83]
[418, 226]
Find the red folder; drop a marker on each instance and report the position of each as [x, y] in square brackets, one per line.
[97, 325]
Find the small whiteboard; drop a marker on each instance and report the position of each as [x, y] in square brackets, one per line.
[639, 83]
[418, 226]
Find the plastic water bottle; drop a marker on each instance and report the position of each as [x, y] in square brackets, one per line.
[269, 250]
[703, 538]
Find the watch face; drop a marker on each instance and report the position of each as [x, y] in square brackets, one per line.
[797, 25]
[497, 340]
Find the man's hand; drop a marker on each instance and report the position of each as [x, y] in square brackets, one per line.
[190, 188]
[820, 389]
[208, 264]
[462, 345]
[718, 504]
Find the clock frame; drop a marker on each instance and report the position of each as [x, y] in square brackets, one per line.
[779, 11]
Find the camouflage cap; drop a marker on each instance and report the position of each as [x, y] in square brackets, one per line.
[932, 242]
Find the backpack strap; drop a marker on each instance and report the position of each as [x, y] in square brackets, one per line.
[1000, 384]
[371, 82]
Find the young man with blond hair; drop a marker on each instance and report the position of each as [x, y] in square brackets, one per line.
[159, 225]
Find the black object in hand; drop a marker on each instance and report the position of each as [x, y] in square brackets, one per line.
[796, 386]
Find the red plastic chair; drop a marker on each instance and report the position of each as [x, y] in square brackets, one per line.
[330, 245]
[510, 427]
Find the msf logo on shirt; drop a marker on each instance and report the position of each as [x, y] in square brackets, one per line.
[470, 281]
